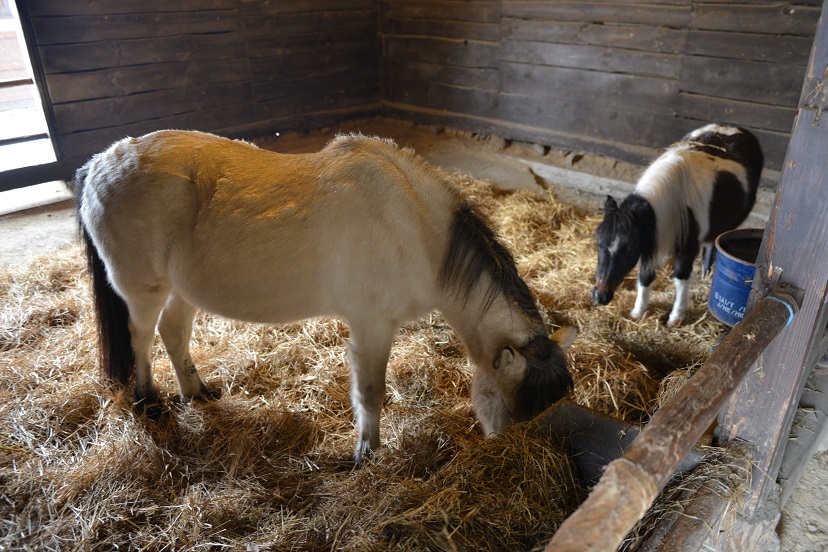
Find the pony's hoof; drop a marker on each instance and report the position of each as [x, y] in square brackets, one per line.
[150, 406]
[675, 322]
[206, 395]
[361, 454]
[637, 315]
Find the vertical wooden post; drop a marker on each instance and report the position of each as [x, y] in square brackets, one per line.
[794, 251]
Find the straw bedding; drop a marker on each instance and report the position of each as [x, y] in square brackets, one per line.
[268, 465]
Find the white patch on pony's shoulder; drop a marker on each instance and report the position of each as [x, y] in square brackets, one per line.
[713, 127]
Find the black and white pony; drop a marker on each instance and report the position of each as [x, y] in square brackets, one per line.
[175, 221]
[700, 187]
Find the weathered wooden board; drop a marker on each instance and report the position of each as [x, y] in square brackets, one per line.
[484, 78]
[741, 113]
[633, 92]
[269, 8]
[770, 83]
[121, 81]
[464, 53]
[592, 121]
[795, 251]
[293, 24]
[95, 28]
[751, 46]
[649, 39]
[54, 8]
[773, 19]
[92, 141]
[660, 14]
[461, 30]
[596, 58]
[531, 30]
[318, 101]
[70, 58]
[306, 87]
[467, 10]
[444, 97]
[123, 110]
[347, 56]
[632, 37]
[279, 44]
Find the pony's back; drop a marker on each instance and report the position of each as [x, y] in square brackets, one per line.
[246, 233]
[702, 185]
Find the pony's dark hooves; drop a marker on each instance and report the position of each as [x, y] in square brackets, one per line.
[207, 395]
[360, 456]
[152, 407]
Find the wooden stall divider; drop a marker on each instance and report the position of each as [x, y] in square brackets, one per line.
[630, 484]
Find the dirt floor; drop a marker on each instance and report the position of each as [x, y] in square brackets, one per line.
[574, 177]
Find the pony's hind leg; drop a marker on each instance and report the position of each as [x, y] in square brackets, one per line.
[176, 329]
[144, 308]
[368, 352]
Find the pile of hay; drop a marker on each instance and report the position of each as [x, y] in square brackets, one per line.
[268, 466]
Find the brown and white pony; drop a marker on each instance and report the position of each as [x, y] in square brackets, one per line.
[177, 221]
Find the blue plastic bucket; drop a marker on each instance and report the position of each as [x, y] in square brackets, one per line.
[736, 253]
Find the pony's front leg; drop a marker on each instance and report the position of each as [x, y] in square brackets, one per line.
[643, 288]
[368, 352]
[176, 329]
[682, 272]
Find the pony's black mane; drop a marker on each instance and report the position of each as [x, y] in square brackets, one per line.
[547, 379]
[474, 250]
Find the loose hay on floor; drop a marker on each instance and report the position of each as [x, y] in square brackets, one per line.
[270, 462]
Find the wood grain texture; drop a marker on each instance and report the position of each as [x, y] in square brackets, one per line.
[777, 19]
[763, 408]
[623, 495]
[738, 112]
[661, 13]
[94, 28]
[71, 58]
[750, 46]
[794, 250]
[611, 76]
[769, 83]
[596, 58]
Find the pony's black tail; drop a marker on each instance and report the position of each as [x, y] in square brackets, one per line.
[112, 315]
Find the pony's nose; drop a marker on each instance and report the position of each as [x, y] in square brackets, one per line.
[601, 297]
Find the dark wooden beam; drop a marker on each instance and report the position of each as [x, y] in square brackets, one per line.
[36, 174]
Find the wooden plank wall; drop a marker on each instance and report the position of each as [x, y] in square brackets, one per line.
[618, 78]
[114, 69]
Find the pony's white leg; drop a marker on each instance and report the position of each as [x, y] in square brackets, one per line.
[642, 301]
[176, 329]
[643, 286]
[682, 275]
[144, 308]
[682, 302]
[368, 352]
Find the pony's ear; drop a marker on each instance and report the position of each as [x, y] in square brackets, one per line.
[610, 205]
[511, 367]
[565, 336]
[505, 359]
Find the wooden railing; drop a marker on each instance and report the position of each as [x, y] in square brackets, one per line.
[631, 483]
